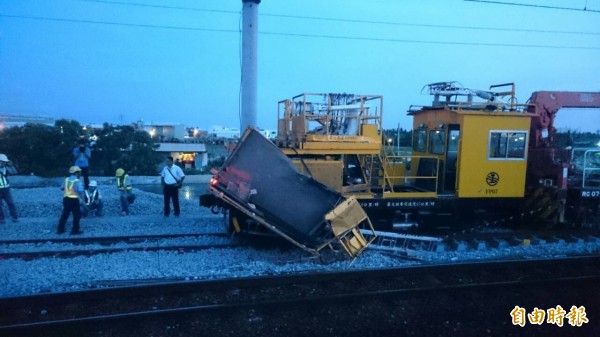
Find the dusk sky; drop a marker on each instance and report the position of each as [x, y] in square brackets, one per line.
[179, 61]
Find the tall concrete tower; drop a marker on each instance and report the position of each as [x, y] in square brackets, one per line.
[249, 63]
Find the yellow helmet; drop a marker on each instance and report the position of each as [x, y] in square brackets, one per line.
[74, 169]
[120, 172]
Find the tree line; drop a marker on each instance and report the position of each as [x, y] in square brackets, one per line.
[47, 151]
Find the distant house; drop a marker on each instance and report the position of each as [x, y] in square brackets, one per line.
[165, 132]
[218, 131]
[187, 155]
[7, 121]
[271, 134]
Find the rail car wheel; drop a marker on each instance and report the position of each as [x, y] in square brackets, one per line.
[583, 216]
[541, 208]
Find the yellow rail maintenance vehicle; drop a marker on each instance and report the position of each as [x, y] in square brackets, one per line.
[468, 158]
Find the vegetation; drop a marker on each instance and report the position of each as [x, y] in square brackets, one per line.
[577, 139]
[47, 151]
[397, 137]
[124, 147]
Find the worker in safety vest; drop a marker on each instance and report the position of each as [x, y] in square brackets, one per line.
[92, 200]
[72, 197]
[124, 186]
[6, 168]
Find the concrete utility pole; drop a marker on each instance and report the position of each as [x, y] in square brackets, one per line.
[249, 63]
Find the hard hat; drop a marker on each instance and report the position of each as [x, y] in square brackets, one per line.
[93, 183]
[120, 172]
[74, 169]
[4, 158]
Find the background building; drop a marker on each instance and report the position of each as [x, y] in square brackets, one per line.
[7, 121]
[186, 155]
[165, 132]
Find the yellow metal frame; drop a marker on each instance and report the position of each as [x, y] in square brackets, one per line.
[347, 220]
[355, 122]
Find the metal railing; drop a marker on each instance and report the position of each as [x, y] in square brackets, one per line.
[587, 164]
[394, 171]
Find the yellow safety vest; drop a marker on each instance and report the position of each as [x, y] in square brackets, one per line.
[3, 179]
[121, 183]
[70, 191]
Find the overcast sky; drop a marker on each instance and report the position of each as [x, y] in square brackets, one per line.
[177, 61]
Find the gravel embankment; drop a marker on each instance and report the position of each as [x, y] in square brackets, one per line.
[39, 209]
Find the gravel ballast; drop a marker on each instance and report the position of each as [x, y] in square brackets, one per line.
[39, 209]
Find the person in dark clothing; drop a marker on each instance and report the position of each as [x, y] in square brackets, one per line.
[72, 195]
[171, 178]
[92, 200]
[6, 168]
[82, 154]
[125, 190]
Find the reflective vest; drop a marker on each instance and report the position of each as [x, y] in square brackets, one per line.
[70, 189]
[121, 183]
[3, 178]
[91, 198]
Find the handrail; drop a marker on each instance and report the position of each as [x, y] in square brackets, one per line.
[387, 178]
[588, 166]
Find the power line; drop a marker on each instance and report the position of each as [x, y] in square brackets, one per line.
[431, 42]
[298, 34]
[430, 25]
[584, 9]
[317, 18]
[139, 25]
[163, 6]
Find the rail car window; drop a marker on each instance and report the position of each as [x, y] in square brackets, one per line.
[420, 140]
[507, 144]
[454, 137]
[437, 141]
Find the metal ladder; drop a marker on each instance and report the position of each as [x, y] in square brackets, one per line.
[396, 242]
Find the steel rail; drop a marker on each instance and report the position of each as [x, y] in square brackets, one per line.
[71, 253]
[150, 298]
[108, 239]
[289, 302]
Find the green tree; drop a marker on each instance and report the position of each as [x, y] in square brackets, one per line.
[124, 147]
[40, 149]
[405, 137]
[47, 151]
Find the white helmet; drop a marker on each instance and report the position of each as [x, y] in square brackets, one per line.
[93, 183]
[74, 169]
[4, 158]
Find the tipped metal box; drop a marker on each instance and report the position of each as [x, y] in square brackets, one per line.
[261, 182]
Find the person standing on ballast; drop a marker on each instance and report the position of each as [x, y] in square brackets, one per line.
[82, 154]
[72, 198]
[6, 169]
[171, 177]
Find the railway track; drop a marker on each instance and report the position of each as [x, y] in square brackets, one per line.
[395, 243]
[256, 303]
[87, 246]
[405, 244]
[105, 240]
